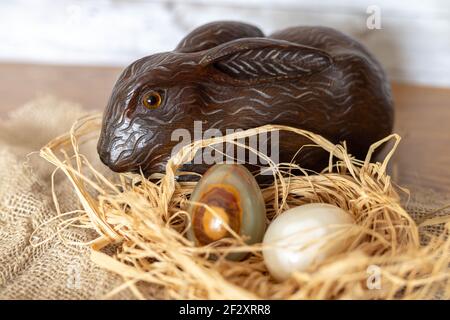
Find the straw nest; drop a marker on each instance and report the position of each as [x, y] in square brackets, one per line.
[146, 222]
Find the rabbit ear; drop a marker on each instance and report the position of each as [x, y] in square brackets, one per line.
[263, 59]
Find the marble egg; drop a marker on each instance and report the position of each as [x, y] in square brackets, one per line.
[296, 238]
[234, 195]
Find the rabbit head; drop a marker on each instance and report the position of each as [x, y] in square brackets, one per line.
[235, 85]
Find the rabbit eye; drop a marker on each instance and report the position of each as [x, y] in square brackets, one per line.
[152, 100]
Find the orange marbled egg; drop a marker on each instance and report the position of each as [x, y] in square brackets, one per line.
[232, 200]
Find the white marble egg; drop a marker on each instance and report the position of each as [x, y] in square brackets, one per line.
[295, 239]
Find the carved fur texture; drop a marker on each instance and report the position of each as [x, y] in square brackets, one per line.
[229, 76]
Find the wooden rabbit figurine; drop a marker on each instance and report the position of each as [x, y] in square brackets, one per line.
[229, 76]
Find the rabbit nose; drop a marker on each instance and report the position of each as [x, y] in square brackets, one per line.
[104, 157]
[113, 157]
[116, 160]
[110, 160]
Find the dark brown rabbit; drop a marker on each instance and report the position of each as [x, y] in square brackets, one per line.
[229, 76]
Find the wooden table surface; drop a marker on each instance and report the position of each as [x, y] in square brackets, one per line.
[422, 114]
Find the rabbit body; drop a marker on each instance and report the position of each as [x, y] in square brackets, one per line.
[229, 76]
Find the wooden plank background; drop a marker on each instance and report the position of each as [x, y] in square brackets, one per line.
[422, 114]
[413, 43]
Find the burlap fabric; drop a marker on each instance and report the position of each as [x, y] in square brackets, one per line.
[54, 269]
[58, 269]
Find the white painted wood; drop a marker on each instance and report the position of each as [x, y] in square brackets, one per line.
[413, 43]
